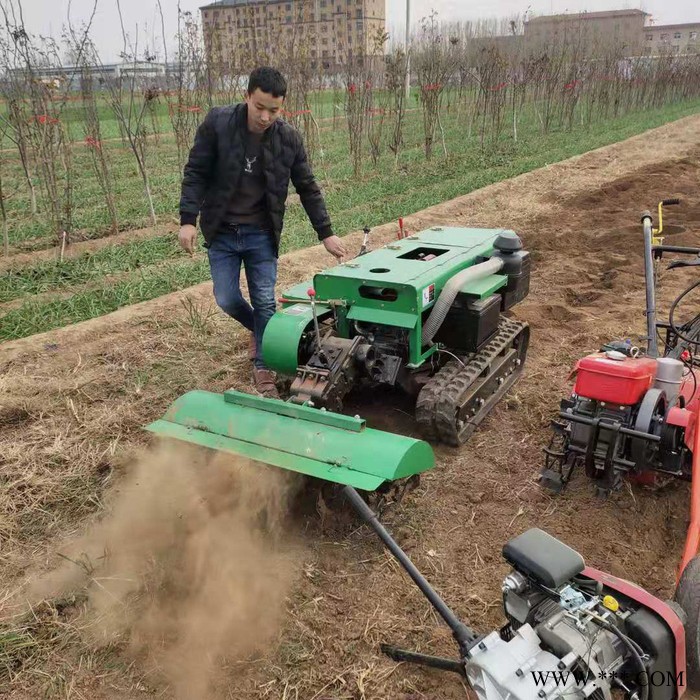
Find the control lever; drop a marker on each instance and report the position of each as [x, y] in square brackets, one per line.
[364, 247]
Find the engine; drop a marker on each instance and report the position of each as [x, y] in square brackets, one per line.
[574, 632]
[626, 415]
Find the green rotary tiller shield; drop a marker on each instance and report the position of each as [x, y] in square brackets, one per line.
[317, 443]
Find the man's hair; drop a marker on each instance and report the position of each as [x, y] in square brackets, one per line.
[269, 80]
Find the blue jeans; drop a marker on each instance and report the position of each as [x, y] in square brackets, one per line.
[255, 248]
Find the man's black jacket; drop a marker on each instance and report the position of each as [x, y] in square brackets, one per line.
[214, 168]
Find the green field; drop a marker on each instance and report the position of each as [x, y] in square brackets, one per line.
[324, 103]
[94, 284]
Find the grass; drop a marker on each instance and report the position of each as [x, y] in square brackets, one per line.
[148, 268]
[89, 213]
[88, 412]
[14, 646]
[37, 316]
[52, 275]
[49, 487]
[72, 113]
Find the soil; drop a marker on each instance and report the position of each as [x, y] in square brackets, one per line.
[81, 393]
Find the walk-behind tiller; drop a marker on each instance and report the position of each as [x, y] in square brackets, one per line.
[636, 414]
[571, 631]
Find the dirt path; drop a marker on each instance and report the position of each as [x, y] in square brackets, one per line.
[74, 400]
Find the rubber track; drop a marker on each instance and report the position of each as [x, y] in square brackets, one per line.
[438, 401]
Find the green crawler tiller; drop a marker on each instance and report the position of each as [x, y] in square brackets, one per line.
[423, 314]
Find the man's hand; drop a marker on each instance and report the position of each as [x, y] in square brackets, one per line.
[334, 246]
[188, 237]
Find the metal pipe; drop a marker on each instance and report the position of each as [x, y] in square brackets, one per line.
[406, 49]
[365, 240]
[627, 466]
[625, 431]
[677, 249]
[464, 635]
[319, 347]
[652, 349]
[412, 657]
[623, 464]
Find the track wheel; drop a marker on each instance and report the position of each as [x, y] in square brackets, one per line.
[688, 597]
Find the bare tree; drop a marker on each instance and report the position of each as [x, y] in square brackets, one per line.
[377, 98]
[435, 62]
[356, 107]
[300, 79]
[395, 85]
[101, 163]
[13, 90]
[131, 116]
[189, 99]
[3, 212]
[39, 106]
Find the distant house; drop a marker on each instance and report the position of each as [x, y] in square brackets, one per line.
[506, 45]
[332, 31]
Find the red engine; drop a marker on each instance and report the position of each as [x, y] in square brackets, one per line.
[627, 415]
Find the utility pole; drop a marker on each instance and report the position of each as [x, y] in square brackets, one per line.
[406, 49]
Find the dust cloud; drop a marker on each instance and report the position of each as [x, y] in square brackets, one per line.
[189, 567]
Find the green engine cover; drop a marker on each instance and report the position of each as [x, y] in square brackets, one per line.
[396, 285]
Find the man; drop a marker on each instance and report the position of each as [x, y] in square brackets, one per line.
[236, 178]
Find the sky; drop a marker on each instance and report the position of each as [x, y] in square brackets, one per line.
[47, 17]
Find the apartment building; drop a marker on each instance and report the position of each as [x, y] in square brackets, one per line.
[596, 29]
[329, 32]
[672, 38]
